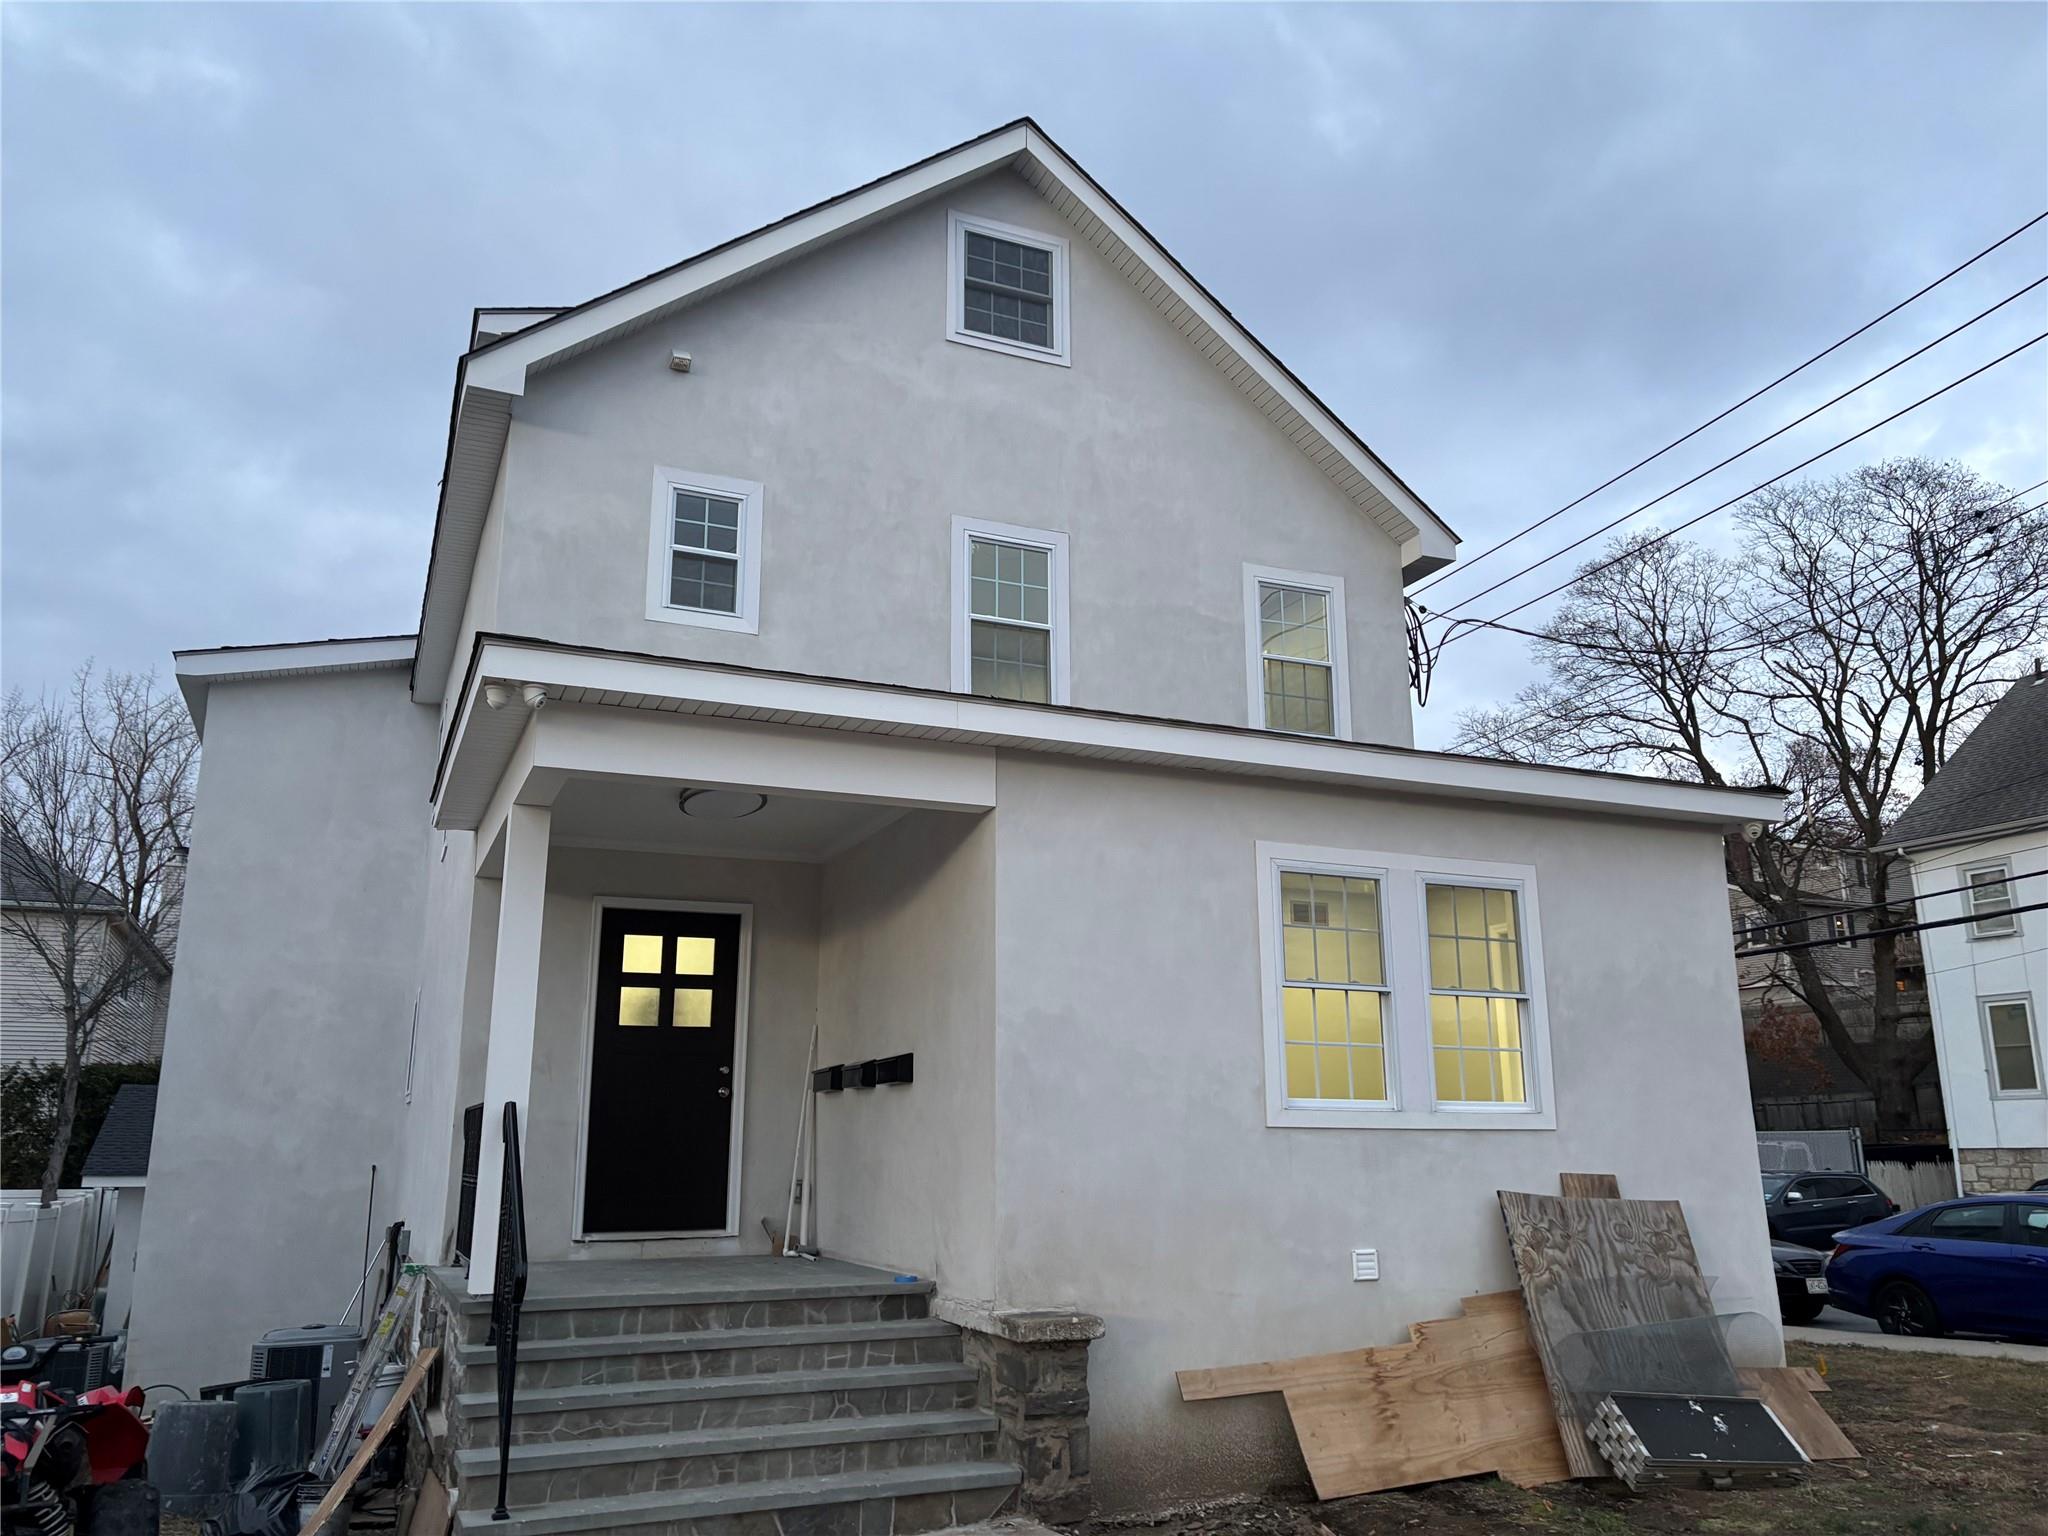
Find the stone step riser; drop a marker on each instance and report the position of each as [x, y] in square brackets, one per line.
[599, 1479]
[691, 1317]
[538, 1428]
[690, 1365]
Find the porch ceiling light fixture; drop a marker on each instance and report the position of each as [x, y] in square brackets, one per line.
[720, 804]
[532, 695]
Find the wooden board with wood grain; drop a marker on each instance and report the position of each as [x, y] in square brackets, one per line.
[1785, 1391]
[1598, 1274]
[393, 1411]
[1464, 1397]
[1589, 1186]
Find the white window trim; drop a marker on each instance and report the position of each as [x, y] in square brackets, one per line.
[2000, 924]
[958, 226]
[2026, 1002]
[965, 529]
[1331, 587]
[752, 500]
[1404, 942]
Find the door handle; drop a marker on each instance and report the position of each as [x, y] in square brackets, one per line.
[725, 1093]
[1922, 1247]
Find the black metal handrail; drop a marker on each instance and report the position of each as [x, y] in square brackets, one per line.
[508, 1293]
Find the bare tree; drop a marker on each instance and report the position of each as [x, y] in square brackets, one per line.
[95, 798]
[1842, 652]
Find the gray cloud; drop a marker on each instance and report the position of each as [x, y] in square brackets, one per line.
[1515, 247]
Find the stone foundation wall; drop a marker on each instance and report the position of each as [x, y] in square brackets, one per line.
[1033, 1369]
[1990, 1170]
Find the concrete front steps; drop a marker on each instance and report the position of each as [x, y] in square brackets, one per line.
[759, 1399]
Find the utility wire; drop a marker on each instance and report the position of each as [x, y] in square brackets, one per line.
[1723, 506]
[1738, 405]
[1799, 420]
[1881, 933]
[1831, 910]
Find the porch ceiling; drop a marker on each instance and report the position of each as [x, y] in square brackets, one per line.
[643, 815]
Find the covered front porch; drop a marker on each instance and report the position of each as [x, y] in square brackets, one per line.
[664, 907]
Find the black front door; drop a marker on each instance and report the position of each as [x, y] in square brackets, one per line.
[658, 1153]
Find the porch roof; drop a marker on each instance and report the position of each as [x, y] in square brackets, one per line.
[483, 742]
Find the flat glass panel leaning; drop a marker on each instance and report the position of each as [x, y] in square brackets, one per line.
[1476, 994]
[1332, 1018]
[2012, 1048]
[1009, 290]
[704, 563]
[1010, 606]
[1294, 646]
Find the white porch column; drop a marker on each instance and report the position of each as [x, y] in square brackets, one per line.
[515, 995]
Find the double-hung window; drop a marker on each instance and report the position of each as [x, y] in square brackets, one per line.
[1007, 289]
[1294, 636]
[1401, 992]
[1990, 901]
[704, 551]
[2009, 1039]
[1009, 612]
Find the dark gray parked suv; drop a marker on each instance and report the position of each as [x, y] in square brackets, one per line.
[1810, 1208]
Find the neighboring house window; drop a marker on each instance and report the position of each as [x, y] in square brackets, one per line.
[1990, 901]
[1296, 677]
[704, 551]
[2009, 1035]
[1007, 289]
[1841, 930]
[1009, 612]
[1476, 997]
[1400, 993]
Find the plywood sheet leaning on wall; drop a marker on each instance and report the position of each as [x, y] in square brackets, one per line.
[1464, 1398]
[1787, 1390]
[1601, 1279]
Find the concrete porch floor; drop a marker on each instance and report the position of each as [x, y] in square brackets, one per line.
[584, 1283]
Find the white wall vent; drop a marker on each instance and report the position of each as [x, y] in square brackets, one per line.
[1365, 1263]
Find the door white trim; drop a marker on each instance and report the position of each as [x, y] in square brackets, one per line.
[598, 907]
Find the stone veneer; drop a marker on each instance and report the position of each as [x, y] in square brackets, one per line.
[1033, 1365]
[1989, 1170]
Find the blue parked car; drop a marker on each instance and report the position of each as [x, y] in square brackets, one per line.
[1964, 1266]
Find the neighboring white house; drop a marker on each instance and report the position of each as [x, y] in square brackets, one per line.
[935, 620]
[119, 1161]
[131, 1028]
[1977, 837]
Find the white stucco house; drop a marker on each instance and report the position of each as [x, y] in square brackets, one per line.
[934, 621]
[1977, 840]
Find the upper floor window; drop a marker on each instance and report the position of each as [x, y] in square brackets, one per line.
[1009, 612]
[2009, 1036]
[1990, 901]
[1294, 638]
[1007, 289]
[704, 551]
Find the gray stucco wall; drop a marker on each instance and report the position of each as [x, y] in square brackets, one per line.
[906, 957]
[783, 1003]
[1136, 1174]
[831, 382]
[285, 1069]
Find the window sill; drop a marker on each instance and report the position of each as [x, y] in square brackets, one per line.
[1010, 348]
[1472, 1118]
[704, 619]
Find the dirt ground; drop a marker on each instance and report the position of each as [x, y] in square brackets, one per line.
[1952, 1446]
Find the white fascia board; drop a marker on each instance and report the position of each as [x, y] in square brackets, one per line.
[115, 1181]
[1074, 732]
[505, 366]
[505, 322]
[198, 671]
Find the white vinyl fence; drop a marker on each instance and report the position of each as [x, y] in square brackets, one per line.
[50, 1255]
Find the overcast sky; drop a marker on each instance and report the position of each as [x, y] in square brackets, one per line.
[1515, 248]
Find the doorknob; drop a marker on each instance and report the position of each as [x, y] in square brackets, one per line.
[725, 1093]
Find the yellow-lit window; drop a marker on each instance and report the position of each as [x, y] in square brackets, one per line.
[1333, 994]
[1478, 995]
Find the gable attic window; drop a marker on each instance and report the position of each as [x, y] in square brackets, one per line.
[1006, 289]
[1990, 901]
[704, 551]
[1296, 678]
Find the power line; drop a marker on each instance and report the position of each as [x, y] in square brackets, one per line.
[1678, 528]
[1881, 933]
[1799, 420]
[1738, 405]
[1907, 900]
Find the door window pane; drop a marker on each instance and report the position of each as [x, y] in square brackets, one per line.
[1969, 1223]
[639, 1007]
[695, 957]
[641, 953]
[2034, 1225]
[693, 1008]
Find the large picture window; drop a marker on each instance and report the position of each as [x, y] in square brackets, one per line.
[1400, 992]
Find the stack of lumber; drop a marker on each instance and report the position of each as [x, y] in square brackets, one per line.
[1501, 1387]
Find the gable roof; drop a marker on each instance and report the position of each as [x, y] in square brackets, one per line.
[121, 1150]
[199, 670]
[1998, 777]
[493, 374]
[26, 880]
